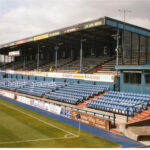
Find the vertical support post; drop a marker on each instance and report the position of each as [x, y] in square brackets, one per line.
[14, 63]
[24, 61]
[122, 47]
[56, 61]
[114, 119]
[38, 58]
[117, 50]
[24, 64]
[127, 114]
[4, 63]
[81, 53]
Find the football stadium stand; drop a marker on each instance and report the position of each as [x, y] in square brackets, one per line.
[87, 74]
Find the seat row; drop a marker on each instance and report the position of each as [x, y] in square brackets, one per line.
[128, 97]
[111, 108]
[61, 93]
[62, 98]
[124, 100]
[120, 103]
[30, 92]
[131, 94]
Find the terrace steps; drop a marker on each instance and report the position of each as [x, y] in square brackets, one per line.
[141, 116]
[83, 105]
[115, 130]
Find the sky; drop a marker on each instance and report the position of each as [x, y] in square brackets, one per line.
[25, 18]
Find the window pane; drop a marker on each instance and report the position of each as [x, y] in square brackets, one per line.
[147, 78]
[132, 78]
[138, 78]
[142, 49]
[147, 71]
[135, 44]
[126, 78]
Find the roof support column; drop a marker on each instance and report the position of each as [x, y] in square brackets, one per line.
[4, 62]
[38, 57]
[117, 51]
[56, 49]
[81, 53]
[122, 47]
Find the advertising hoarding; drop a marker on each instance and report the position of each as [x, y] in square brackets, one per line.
[92, 120]
[54, 109]
[20, 42]
[40, 37]
[14, 53]
[8, 94]
[66, 113]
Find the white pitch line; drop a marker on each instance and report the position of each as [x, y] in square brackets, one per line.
[36, 140]
[49, 124]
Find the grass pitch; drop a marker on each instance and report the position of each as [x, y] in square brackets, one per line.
[20, 127]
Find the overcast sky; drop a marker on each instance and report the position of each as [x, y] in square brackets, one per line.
[24, 18]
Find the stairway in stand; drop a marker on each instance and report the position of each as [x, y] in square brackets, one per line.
[141, 116]
[83, 105]
[116, 131]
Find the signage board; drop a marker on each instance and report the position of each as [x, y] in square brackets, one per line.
[66, 112]
[14, 53]
[29, 40]
[54, 109]
[110, 78]
[20, 42]
[101, 78]
[71, 30]
[55, 75]
[78, 76]
[54, 34]
[40, 37]
[11, 44]
[8, 94]
[92, 120]
[92, 24]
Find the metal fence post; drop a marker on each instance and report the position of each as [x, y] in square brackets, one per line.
[114, 119]
[127, 114]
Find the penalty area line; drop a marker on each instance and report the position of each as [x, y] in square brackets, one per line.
[36, 118]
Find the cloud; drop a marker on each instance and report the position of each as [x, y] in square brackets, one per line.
[20, 19]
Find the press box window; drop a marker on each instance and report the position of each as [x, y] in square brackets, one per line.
[126, 78]
[132, 78]
[136, 78]
[147, 78]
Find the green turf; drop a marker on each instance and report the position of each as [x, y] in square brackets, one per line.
[17, 126]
